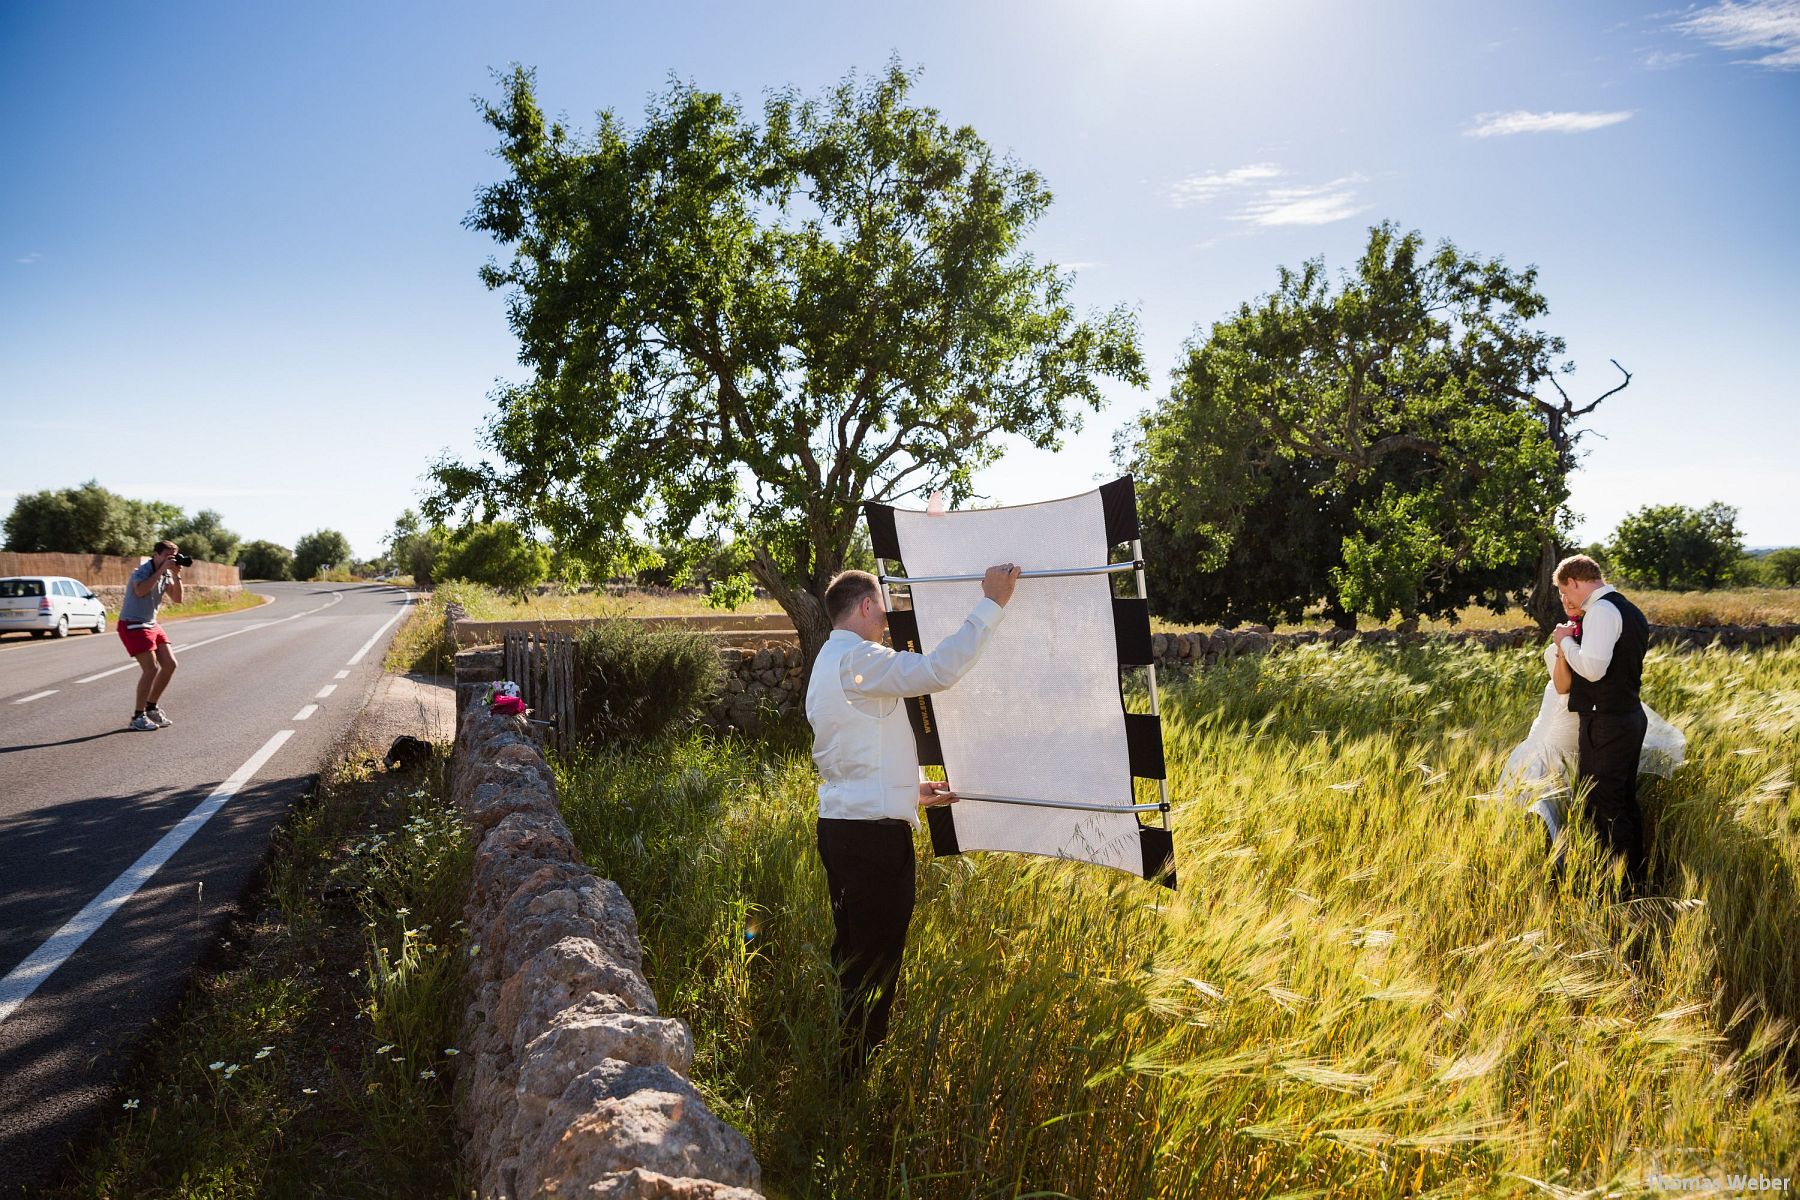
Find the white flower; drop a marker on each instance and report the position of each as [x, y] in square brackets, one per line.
[131, 1103]
[310, 1091]
[384, 1049]
[427, 1074]
[263, 1053]
[452, 1050]
[401, 912]
[218, 1066]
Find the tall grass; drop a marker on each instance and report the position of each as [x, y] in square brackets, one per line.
[1369, 984]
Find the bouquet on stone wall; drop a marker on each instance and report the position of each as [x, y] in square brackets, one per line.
[503, 698]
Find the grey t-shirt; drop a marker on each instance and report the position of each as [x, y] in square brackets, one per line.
[138, 609]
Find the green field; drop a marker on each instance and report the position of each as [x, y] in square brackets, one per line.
[1369, 983]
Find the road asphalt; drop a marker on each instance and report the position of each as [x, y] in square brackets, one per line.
[122, 853]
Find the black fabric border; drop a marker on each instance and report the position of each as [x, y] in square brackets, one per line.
[1131, 631]
[942, 824]
[1158, 845]
[1144, 744]
[1118, 500]
[882, 535]
[903, 631]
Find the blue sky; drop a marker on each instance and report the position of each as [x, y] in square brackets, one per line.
[233, 274]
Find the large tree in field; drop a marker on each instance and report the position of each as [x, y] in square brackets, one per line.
[743, 329]
[1387, 428]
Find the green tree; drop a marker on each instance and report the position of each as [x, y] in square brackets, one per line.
[744, 330]
[1785, 565]
[204, 536]
[88, 519]
[497, 553]
[1674, 545]
[318, 550]
[415, 547]
[1385, 432]
[265, 560]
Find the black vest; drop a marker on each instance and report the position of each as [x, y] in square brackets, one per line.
[1617, 690]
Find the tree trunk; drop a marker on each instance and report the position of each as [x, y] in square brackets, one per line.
[804, 609]
[1545, 605]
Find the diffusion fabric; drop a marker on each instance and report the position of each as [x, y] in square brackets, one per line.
[1040, 717]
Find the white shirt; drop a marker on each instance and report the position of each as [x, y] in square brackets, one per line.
[862, 741]
[1600, 629]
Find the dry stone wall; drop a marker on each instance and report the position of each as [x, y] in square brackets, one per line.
[577, 1085]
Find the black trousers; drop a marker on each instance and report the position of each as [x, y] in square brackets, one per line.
[869, 875]
[1609, 749]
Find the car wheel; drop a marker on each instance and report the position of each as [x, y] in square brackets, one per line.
[62, 627]
[100, 623]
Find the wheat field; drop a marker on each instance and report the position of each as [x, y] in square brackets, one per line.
[1370, 982]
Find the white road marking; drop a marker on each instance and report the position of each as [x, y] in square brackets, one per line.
[24, 979]
[34, 696]
[335, 598]
[342, 675]
[326, 691]
[306, 712]
[370, 644]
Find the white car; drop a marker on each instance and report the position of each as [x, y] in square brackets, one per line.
[52, 604]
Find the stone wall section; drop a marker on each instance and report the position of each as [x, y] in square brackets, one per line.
[575, 1085]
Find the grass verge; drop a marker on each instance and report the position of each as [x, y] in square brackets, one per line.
[315, 1054]
[233, 602]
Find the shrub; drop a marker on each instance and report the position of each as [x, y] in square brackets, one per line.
[497, 553]
[265, 560]
[319, 550]
[637, 683]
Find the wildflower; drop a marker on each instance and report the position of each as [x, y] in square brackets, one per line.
[356, 973]
[218, 1066]
[384, 1049]
[310, 1091]
[130, 1104]
[398, 1060]
[263, 1053]
[474, 949]
[452, 1050]
[427, 1074]
[401, 912]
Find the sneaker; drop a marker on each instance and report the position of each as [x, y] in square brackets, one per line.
[156, 717]
[142, 722]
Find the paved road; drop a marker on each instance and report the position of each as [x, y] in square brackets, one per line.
[104, 907]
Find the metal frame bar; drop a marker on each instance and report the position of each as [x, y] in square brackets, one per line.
[1162, 785]
[1118, 568]
[1076, 804]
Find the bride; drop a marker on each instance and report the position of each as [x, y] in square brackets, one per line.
[1540, 768]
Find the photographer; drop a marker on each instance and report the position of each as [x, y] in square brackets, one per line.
[143, 637]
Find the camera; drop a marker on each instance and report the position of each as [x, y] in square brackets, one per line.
[183, 560]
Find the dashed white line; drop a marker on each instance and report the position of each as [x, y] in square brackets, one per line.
[34, 696]
[342, 675]
[326, 691]
[306, 712]
[335, 598]
[24, 979]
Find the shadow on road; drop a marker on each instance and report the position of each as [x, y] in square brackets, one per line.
[62, 1051]
[74, 741]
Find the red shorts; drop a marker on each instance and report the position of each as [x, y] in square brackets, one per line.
[142, 641]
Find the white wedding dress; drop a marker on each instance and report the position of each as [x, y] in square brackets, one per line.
[1539, 768]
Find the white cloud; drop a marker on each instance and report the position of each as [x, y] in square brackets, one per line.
[1507, 124]
[1658, 60]
[1198, 189]
[1078, 265]
[1768, 25]
[1317, 204]
[28, 259]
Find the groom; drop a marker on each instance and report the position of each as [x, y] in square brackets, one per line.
[1605, 654]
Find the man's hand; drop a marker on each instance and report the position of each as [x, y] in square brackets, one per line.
[1563, 632]
[936, 795]
[997, 584]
